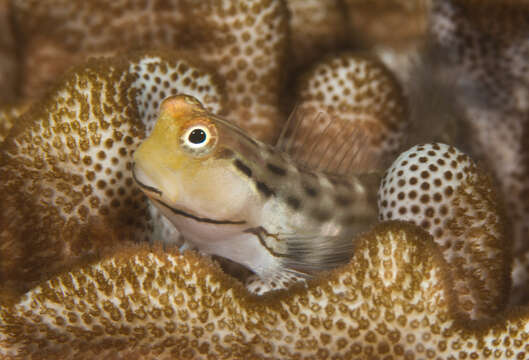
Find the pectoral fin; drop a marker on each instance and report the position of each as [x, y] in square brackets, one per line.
[304, 254]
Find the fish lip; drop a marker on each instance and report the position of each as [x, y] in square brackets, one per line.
[154, 190]
[142, 185]
[200, 219]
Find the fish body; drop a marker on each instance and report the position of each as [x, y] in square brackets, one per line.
[233, 196]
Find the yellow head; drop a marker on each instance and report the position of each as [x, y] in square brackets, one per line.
[186, 163]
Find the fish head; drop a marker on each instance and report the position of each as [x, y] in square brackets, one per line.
[186, 165]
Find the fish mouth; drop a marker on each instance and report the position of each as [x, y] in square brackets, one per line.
[159, 193]
[142, 185]
[199, 219]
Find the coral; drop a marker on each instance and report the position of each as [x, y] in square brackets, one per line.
[8, 117]
[442, 190]
[244, 43]
[393, 23]
[317, 27]
[77, 278]
[392, 301]
[353, 101]
[65, 169]
[8, 58]
[483, 46]
[520, 276]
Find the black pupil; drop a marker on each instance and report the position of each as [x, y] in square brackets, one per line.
[197, 136]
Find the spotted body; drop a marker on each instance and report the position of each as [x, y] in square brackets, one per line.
[233, 196]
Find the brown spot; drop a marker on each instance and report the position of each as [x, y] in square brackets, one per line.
[310, 191]
[432, 167]
[276, 169]
[264, 189]
[293, 202]
[243, 168]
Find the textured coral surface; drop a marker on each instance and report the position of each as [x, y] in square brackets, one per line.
[81, 275]
[393, 300]
[440, 189]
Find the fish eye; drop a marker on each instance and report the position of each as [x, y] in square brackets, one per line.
[197, 136]
[198, 139]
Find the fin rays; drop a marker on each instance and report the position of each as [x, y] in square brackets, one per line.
[330, 144]
[307, 254]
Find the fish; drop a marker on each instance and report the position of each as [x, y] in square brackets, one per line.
[255, 204]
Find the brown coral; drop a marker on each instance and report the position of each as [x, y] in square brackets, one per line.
[397, 300]
[65, 169]
[352, 115]
[8, 57]
[8, 117]
[440, 189]
[484, 47]
[245, 43]
[392, 301]
[317, 27]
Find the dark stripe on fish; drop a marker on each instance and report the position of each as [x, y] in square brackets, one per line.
[294, 202]
[199, 219]
[276, 169]
[243, 168]
[264, 189]
[261, 234]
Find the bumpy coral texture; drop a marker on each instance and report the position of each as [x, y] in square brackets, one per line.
[65, 169]
[351, 115]
[244, 42]
[392, 301]
[485, 49]
[8, 117]
[439, 188]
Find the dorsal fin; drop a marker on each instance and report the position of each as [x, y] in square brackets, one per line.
[319, 141]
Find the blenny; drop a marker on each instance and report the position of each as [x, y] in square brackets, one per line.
[255, 204]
